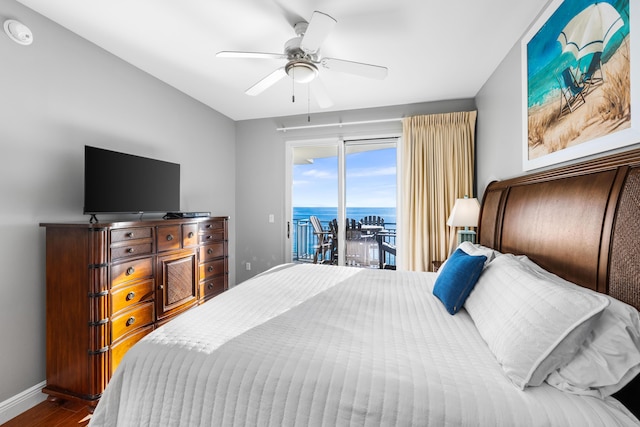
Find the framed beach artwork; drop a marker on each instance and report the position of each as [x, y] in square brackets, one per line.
[581, 81]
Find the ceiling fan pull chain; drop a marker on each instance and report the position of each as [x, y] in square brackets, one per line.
[293, 86]
[308, 102]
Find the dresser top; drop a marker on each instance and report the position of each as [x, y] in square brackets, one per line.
[131, 223]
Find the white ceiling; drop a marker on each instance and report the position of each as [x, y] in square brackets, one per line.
[434, 50]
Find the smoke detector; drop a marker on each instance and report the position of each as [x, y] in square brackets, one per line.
[18, 32]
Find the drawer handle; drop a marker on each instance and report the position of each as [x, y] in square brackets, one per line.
[210, 269]
[169, 237]
[130, 250]
[190, 234]
[209, 237]
[131, 320]
[209, 251]
[130, 296]
[130, 234]
[130, 271]
[209, 226]
[210, 286]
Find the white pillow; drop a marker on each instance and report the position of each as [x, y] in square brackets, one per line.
[531, 324]
[610, 356]
[474, 249]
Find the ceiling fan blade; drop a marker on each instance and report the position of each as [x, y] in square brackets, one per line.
[267, 82]
[320, 93]
[319, 28]
[357, 68]
[251, 55]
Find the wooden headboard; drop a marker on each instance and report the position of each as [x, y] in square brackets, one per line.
[581, 222]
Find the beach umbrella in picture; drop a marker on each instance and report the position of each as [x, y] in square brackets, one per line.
[590, 30]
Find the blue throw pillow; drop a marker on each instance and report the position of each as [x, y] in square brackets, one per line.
[457, 278]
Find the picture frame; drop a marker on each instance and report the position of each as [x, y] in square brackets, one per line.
[569, 111]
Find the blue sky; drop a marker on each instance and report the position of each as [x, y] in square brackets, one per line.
[371, 180]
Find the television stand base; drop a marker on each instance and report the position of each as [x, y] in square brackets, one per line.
[176, 215]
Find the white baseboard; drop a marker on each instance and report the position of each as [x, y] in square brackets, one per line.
[21, 402]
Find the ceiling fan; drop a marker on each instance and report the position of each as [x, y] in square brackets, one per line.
[302, 54]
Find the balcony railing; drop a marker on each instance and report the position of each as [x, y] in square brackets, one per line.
[304, 241]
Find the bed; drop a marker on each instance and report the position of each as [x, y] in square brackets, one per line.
[556, 286]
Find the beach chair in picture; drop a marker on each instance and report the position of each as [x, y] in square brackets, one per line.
[572, 93]
[593, 76]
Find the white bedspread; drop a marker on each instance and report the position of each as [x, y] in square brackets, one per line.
[330, 346]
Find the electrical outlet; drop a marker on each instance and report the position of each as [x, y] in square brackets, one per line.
[272, 218]
[248, 266]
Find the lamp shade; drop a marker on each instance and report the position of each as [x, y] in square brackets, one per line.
[465, 213]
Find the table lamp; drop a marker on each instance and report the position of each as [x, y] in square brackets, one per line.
[465, 214]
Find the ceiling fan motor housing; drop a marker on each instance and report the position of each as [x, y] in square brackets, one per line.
[301, 67]
[293, 50]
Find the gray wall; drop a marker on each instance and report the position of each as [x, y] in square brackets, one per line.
[57, 95]
[499, 150]
[260, 172]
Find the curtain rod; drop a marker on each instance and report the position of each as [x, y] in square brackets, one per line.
[340, 124]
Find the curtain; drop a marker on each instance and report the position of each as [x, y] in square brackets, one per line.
[437, 168]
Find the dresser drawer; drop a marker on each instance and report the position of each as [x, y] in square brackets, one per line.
[129, 295]
[132, 270]
[169, 237]
[130, 320]
[134, 249]
[208, 226]
[126, 234]
[213, 287]
[189, 235]
[209, 252]
[212, 236]
[121, 347]
[211, 269]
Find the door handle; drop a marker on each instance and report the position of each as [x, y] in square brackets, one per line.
[288, 229]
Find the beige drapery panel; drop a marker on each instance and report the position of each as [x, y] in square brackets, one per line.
[437, 168]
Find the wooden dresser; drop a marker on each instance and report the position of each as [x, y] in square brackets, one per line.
[110, 284]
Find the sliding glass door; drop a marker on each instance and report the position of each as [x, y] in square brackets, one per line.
[370, 200]
[342, 182]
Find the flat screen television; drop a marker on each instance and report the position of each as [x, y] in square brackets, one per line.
[124, 183]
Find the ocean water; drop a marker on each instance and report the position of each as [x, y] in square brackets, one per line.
[325, 214]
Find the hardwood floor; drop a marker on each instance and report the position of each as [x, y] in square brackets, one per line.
[52, 414]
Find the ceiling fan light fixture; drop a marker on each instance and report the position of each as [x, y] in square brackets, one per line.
[301, 71]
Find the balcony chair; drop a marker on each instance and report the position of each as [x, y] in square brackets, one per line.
[324, 241]
[385, 247]
[359, 244]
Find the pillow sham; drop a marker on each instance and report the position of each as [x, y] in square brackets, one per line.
[531, 324]
[457, 278]
[474, 249]
[610, 356]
